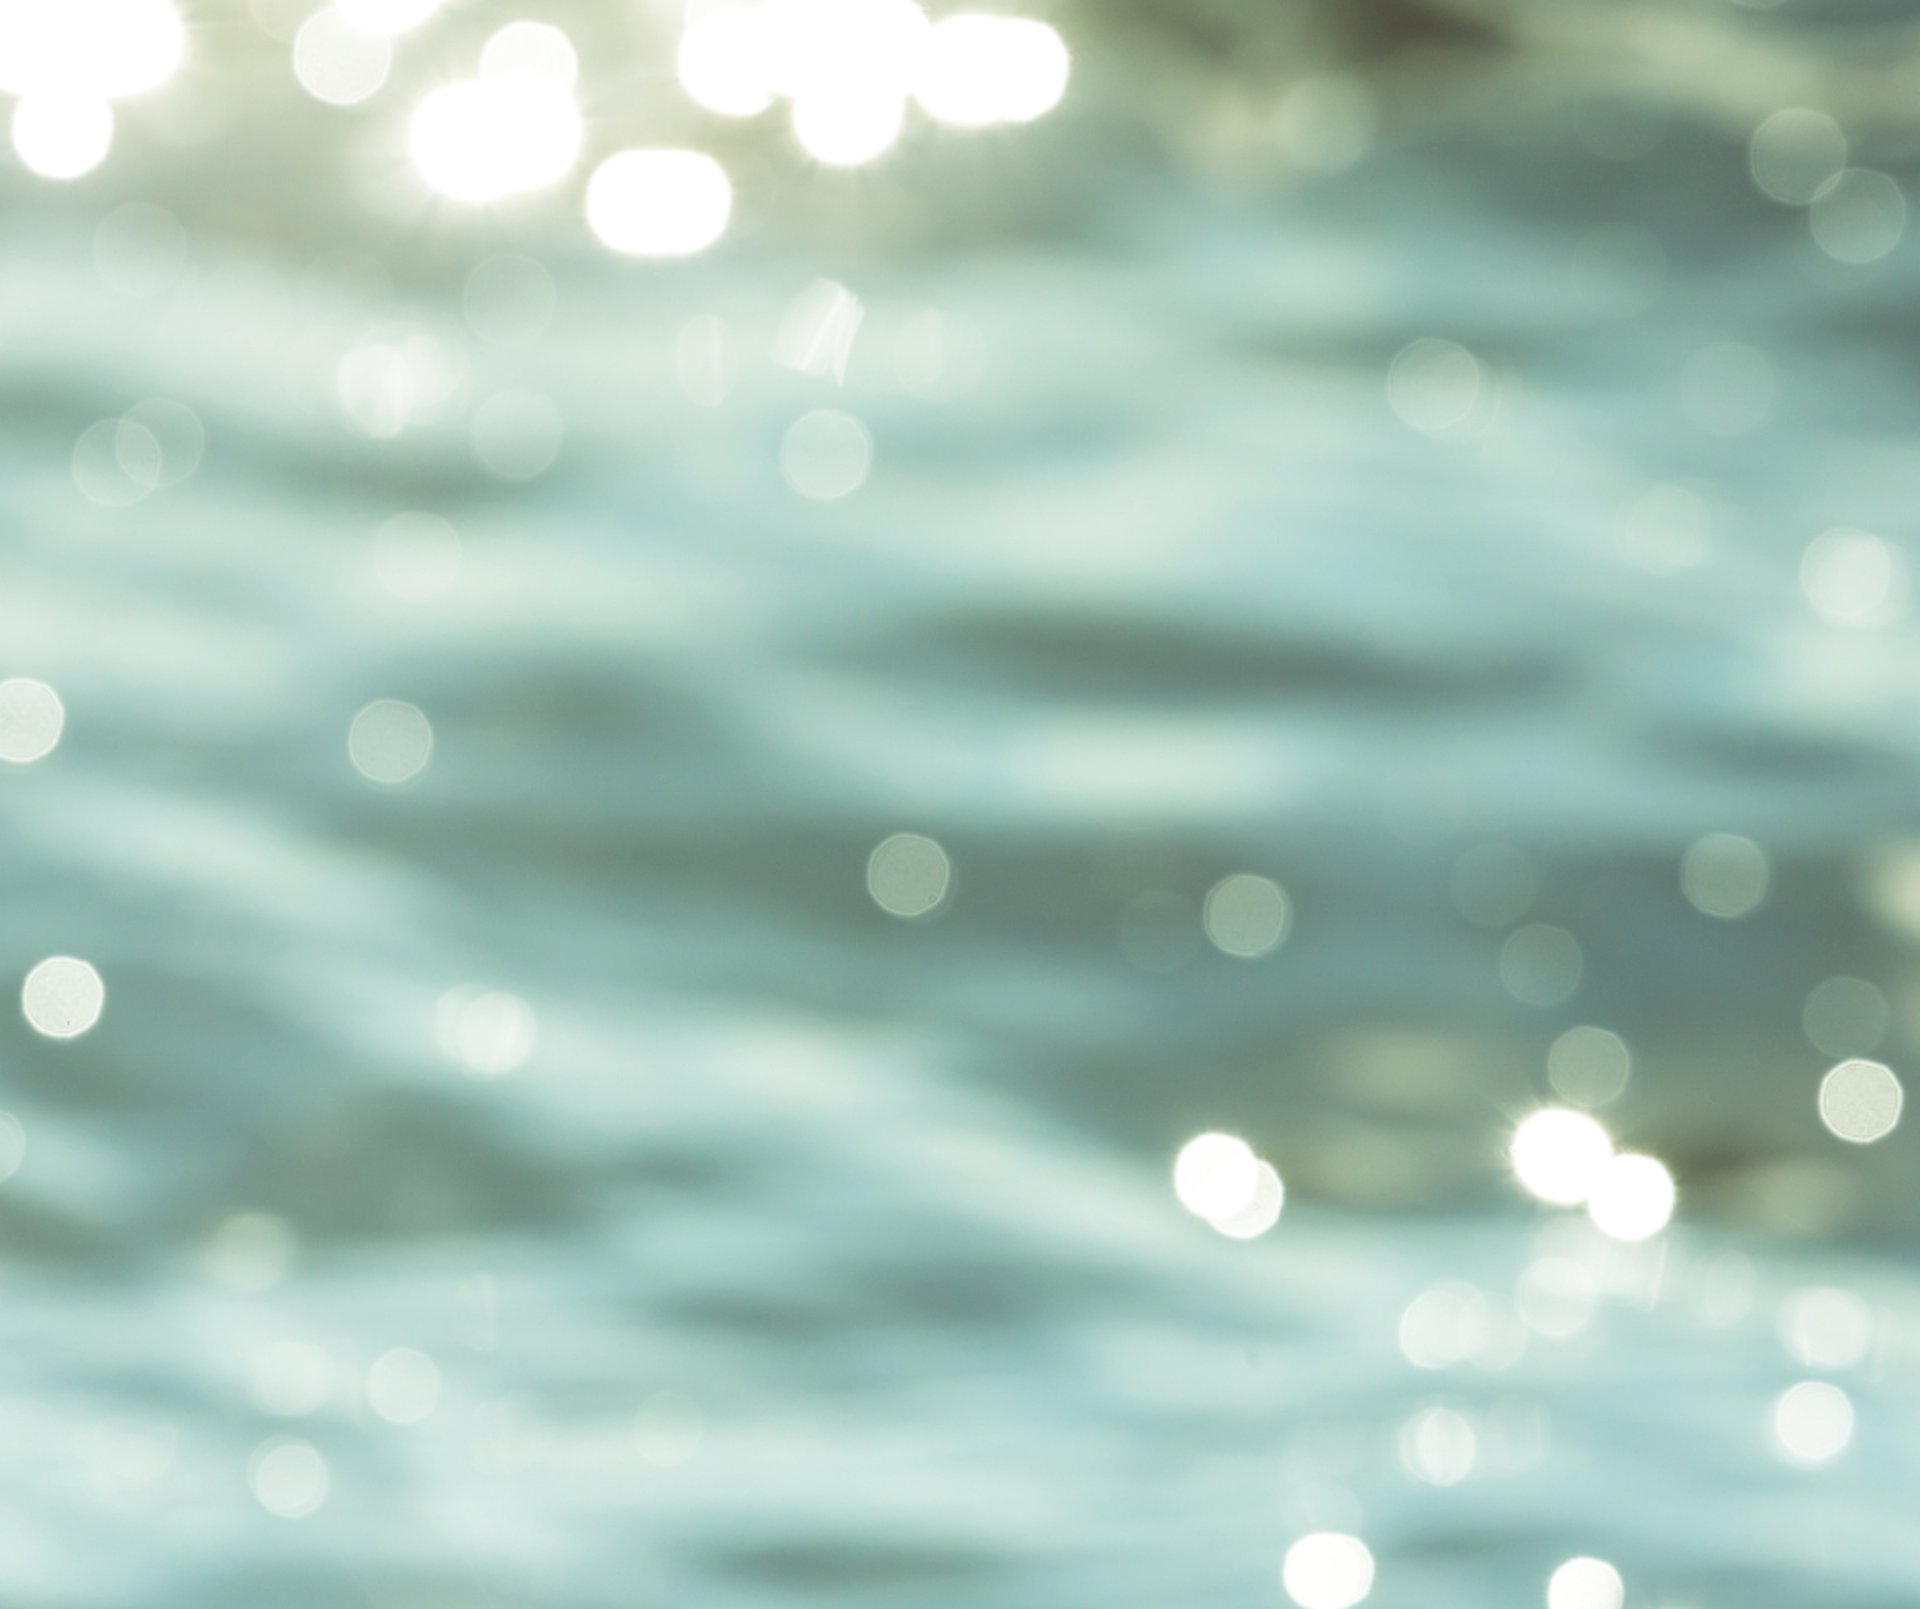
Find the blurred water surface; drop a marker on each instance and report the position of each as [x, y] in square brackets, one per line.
[554, 1180]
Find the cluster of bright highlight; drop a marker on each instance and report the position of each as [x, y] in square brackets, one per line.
[849, 69]
[1333, 1570]
[1219, 1178]
[1566, 1159]
[68, 61]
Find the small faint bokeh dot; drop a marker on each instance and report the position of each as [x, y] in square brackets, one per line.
[1589, 1066]
[338, 62]
[1727, 388]
[403, 1385]
[1794, 152]
[1860, 1101]
[63, 997]
[509, 300]
[487, 1031]
[1725, 875]
[291, 1378]
[1328, 1570]
[417, 556]
[1827, 1327]
[1853, 578]
[517, 435]
[908, 875]
[1540, 964]
[390, 742]
[1845, 1017]
[1246, 915]
[31, 720]
[1858, 217]
[668, 1429]
[826, 455]
[289, 1478]
[1439, 1446]
[250, 1251]
[1435, 386]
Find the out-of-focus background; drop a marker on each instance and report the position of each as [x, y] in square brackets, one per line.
[806, 804]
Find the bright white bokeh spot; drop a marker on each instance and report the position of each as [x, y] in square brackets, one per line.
[390, 742]
[403, 1386]
[1246, 915]
[292, 1378]
[62, 997]
[1439, 1446]
[1812, 1422]
[668, 1429]
[1327, 1570]
[31, 720]
[1632, 1199]
[848, 128]
[979, 70]
[1860, 1101]
[909, 875]
[1853, 578]
[1725, 875]
[817, 48]
[487, 1031]
[339, 63]
[517, 435]
[1589, 1066]
[289, 1478]
[1794, 152]
[495, 138]
[104, 49]
[386, 16]
[1558, 1155]
[60, 135]
[1216, 1176]
[723, 63]
[1262, 1210]
[826, 455]
[537, 49]
[1826, 1327]
[659, 203]
[1586, 1583]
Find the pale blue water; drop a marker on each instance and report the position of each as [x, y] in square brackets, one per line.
[1151, 586]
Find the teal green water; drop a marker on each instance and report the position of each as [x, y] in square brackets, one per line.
[806, 1255]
